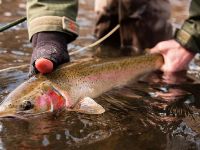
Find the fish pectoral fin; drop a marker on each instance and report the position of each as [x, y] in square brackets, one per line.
[88, 106]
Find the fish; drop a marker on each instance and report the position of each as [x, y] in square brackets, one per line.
[73, 86]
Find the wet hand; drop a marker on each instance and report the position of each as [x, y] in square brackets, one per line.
[49, 51]
[176, 57]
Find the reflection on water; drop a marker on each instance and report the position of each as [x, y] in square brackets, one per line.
[157, 112]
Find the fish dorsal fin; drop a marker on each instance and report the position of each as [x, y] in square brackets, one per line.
[88, 106]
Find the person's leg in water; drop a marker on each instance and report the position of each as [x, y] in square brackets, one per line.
[51, 27]
[143, 23]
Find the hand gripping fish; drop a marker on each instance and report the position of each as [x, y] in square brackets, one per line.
[74, 85]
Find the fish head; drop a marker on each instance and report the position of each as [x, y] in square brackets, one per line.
[29, 100]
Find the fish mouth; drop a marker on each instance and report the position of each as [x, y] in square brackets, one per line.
[19, 115]
[11, 116]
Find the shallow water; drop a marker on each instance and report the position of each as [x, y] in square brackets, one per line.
[157, 112]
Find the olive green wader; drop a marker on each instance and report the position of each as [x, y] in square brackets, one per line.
[52, 15]
[143, 23]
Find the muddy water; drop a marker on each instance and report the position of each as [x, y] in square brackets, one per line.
[157, 112]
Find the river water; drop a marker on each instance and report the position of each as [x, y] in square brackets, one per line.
[157, 112]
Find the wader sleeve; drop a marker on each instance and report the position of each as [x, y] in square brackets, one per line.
[189, 34]
[52, 15]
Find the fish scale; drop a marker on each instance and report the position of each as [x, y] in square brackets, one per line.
[78, 82]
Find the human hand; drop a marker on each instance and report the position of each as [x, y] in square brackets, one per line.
[176, 57]
[49, 51]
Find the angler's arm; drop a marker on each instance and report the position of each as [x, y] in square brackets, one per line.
[180, 51]
[189, 34]
[51, 26]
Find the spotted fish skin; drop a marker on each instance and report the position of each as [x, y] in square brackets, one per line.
[75, 81]
[96, 77]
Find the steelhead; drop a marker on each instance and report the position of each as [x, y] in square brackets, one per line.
[74, 85]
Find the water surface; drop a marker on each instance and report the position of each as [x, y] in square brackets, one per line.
[157, 112]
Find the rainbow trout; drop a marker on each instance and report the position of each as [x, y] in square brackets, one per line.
[74, 85]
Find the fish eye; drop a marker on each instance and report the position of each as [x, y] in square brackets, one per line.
[26, 105]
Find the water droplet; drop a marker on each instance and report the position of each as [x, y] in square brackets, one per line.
[58, 136]
[7, 14]
[45, 141]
